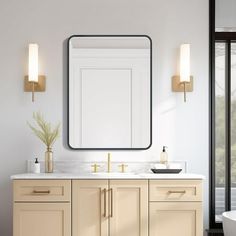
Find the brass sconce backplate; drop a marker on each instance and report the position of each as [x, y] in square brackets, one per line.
[38, 87]
[177, 86]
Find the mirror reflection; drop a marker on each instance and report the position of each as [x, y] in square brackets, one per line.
[109, 92]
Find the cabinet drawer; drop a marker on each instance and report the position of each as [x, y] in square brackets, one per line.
[175, 190]
[42, 219]
[175, 219]
[42, 190]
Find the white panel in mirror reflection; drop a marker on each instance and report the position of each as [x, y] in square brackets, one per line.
[104, 122]
[109, 94]
[75, 166]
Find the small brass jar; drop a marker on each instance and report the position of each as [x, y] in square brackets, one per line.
[49, 161]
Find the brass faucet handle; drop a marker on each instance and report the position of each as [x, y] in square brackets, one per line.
[95, 168]
[123, 166]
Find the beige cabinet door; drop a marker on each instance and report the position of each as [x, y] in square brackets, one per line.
[90, 208]
[37, 219]
[128, 207]
[175, 218]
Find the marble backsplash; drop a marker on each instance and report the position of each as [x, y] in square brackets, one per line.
[75, 166]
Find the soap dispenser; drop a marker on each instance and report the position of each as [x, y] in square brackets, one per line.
[164, 156]
[36, 166]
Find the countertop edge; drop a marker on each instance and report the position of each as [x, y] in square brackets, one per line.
[61, 176]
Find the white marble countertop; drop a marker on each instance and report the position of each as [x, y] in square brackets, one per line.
[106, 176]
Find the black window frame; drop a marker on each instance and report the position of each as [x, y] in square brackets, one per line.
[227, 38]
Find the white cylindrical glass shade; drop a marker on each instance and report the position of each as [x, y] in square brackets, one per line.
[33, 62]
[185, 63]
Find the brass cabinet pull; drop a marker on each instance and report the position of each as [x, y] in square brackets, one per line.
[41, 191]
[180, 191]
[105, 202]
[111, 215]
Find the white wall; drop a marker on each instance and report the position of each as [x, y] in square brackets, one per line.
[182, 127]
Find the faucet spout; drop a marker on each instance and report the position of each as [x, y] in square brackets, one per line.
[109, 162]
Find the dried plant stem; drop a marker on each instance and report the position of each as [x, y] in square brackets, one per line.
[45, 132]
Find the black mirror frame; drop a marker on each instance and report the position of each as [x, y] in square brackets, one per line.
[68, 105]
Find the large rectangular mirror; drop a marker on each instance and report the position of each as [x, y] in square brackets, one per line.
[109, 92]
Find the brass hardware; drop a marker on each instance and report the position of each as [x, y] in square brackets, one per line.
[95, 167]
[178, 86]
[38, 87]
[109, 162]
[123, 166]
[111, 206]
[33, 89]
[181, 191]
[41, 191]
[105, 202]
[30, 86]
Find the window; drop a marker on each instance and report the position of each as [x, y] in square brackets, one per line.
[223, 110]
[225, 18]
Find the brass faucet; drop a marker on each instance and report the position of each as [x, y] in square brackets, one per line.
[109, 162]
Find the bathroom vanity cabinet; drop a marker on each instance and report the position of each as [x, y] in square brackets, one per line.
[42, 207]
[175, 208]
[108, 207]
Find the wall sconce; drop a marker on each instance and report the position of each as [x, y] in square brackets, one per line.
[34, 82]
[183, 82]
